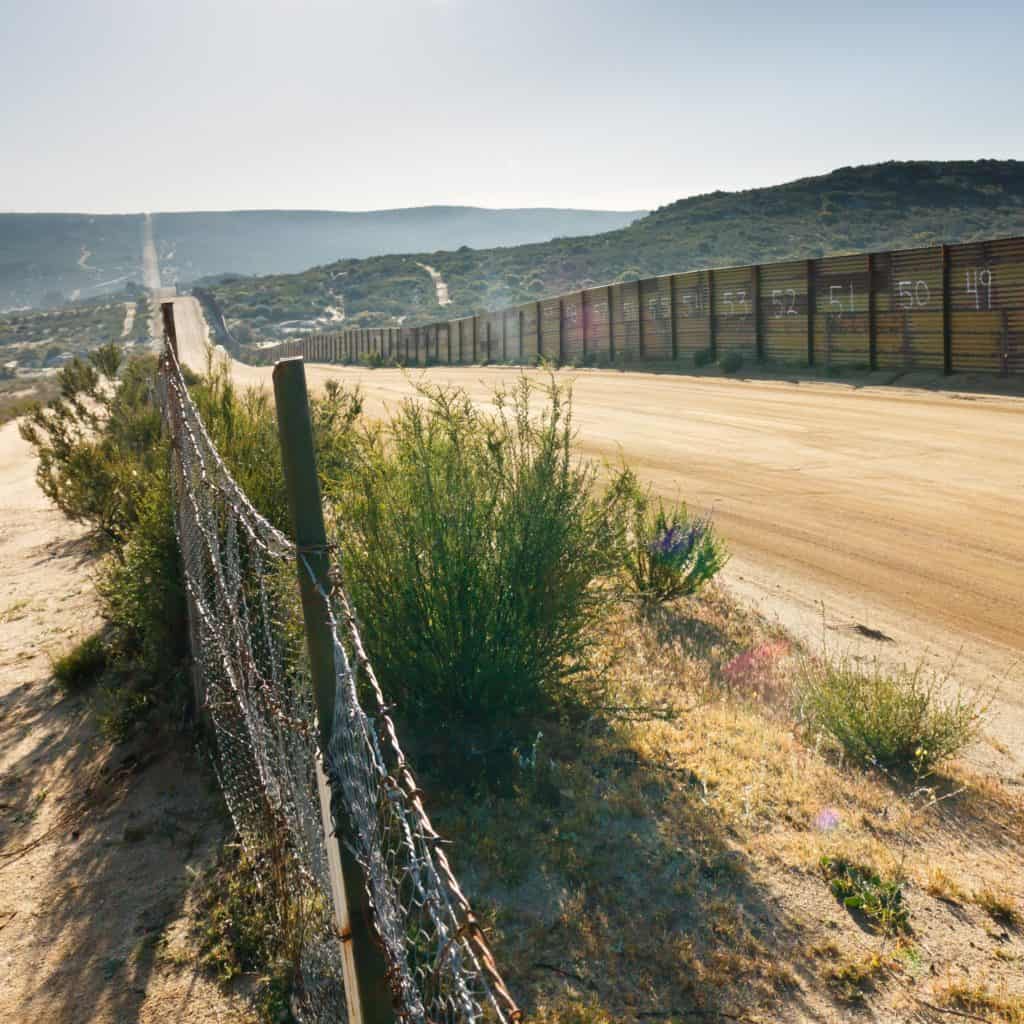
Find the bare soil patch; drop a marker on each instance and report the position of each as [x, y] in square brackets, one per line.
[96, 841]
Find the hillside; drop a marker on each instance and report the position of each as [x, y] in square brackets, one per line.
[48, 259]
[889, 205]
[194, 245]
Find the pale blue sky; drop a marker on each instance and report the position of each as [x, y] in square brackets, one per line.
[125, 106]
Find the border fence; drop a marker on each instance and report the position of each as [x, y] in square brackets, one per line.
[948, 308]
[323, 799]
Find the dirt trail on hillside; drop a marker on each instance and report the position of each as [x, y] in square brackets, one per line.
[882, 520]
[440, 285]
[95, 841]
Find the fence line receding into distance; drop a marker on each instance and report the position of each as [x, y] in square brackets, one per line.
[323, 799]
[950, 308]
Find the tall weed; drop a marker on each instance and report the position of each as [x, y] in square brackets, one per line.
[899, 720]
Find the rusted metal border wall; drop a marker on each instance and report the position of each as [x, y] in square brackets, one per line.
[951, 308]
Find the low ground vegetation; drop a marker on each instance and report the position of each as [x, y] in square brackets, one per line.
[37, 339]
[663, 808]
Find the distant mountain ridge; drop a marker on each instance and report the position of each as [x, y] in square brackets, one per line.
[49, 258]
[881, 206]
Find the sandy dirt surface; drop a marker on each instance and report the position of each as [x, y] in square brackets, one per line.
[883, 520]
[96, 842]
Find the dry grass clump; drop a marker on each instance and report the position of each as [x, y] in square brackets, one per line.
[899, 720]
[943, 887]
[1003, 907]
[982, 1002]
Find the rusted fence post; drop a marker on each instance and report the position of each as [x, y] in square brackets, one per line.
[366, 988]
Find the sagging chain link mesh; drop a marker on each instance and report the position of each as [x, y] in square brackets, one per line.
[251, 676]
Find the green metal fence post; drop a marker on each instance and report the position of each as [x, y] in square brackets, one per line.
[369, 997]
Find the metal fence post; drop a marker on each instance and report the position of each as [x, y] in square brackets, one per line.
[170, 331]
[367, 990]
[191, 612]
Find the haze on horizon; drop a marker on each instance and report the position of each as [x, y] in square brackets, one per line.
[125, 107]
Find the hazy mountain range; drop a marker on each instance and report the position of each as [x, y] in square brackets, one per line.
[50, 258]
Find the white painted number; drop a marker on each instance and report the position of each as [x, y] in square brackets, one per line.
[736, 303]
[913, 293]
[977, 282]
[836, 299]
[784, 301]
[693, 304]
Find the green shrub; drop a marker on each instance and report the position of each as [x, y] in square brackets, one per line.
[666, 555]
[97, 442]
[896, 720]
[103, 459]
[731, 362]
[83, 665]
[372, 360]
[863, 889]
[472, 546]
[702, 357]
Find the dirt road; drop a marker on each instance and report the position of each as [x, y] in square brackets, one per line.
[150, 263]
[897, 510]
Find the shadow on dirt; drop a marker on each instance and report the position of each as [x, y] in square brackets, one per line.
[99, 838]
[625, 863]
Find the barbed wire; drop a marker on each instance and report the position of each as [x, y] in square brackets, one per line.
[253, 680]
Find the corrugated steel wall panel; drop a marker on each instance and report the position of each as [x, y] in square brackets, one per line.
[493, 338]
[528, 322]
[479, 339]
[572, 327]
[656, 317]
[453, 341]
[734, 311]
[841, 322]
[693, 324]
[782, 299]
[986, 290]
[596, 318]
[909, 311]
[626, 320]
[550, 328]
[513, 343]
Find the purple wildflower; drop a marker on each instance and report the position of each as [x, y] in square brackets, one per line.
[827, 819]
[674, 544]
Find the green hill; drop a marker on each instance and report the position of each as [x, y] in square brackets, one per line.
[882, 206]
